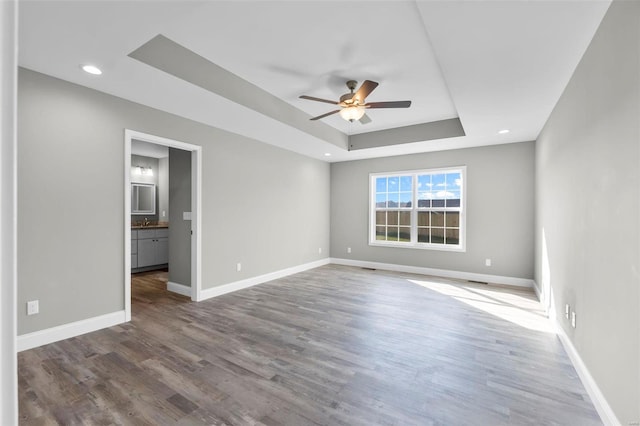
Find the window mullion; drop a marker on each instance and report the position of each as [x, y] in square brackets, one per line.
[414, 210]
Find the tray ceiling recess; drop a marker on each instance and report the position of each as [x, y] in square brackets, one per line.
[470, 69]
[197, 70]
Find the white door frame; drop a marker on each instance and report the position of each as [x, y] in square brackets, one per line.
[8, 213]
[196, 217]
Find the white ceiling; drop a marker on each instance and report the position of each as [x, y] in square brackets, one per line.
[493, 64]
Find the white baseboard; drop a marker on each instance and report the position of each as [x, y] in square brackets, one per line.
[445, 273]
[603, 408]
[66, 331]
[536, 288]
[182, 289]
[208, 293]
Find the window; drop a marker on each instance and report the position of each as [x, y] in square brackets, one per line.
[418, 209]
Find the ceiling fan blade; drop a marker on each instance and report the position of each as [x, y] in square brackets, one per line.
[364, 90]
[365, 119]
[393, 104]
[325, 115]
[311, 98]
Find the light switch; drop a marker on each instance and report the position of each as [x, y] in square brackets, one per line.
[186, 215]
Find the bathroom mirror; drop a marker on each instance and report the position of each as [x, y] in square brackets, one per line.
[143, 198]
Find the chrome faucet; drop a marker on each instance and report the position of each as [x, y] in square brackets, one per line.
[146, 222]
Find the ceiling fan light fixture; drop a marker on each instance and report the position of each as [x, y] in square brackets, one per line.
[351, 113]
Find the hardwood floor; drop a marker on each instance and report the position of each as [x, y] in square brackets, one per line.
[331, 346]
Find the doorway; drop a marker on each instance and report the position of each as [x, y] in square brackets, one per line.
[195, 213]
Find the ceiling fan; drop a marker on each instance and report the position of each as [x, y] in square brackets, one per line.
[353, 105]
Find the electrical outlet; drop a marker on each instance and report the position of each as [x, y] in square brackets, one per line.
[238, 267]
[319, 250]
[348, 249]
[487, 262]
[573, 319]
[567, 310]
[33, 307]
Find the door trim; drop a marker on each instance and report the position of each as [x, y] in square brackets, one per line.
[8, 213]
[196, 211]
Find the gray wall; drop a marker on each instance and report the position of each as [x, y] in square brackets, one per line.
[263, 206]
[499, 210]
[139, 160]
[180, 229]
[587, 214]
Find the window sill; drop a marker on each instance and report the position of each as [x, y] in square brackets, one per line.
[437, 247]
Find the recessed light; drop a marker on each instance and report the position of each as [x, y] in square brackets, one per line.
[503, 131]
[91, 69]
[327, 154]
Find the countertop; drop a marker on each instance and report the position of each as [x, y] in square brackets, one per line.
[155, 226]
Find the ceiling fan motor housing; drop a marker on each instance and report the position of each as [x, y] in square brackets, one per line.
[347, 98]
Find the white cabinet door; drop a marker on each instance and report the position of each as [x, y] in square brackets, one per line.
[146, 253]
[162, 251]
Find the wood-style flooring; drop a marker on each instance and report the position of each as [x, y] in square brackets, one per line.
[334, 345]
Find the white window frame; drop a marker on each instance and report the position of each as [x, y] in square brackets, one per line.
[414, 244]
